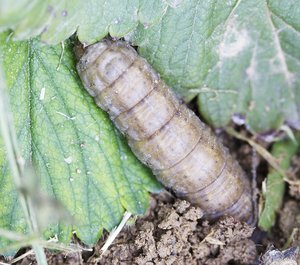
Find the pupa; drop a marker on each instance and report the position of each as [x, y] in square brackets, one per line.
[164, 134]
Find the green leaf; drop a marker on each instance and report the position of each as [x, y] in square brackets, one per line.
[238, 56]
[242, 55]
[81, 159]
[283, 150]
[57, 20]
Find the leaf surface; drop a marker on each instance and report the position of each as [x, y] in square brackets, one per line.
[243, 57]
[81, 159]
[57, 20]
[238, 56]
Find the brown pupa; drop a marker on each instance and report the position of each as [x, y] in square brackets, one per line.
[165, 135]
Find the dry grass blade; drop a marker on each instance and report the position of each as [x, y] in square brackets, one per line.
[115, 232]
[17, 164]
[263, 152]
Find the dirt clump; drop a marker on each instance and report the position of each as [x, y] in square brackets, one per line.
[289, 223]
[294, 175]
[174, 233]
[290, 218]
[54, 258]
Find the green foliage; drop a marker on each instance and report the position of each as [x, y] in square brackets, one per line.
[236, 56]
[241, 56]
[82, 160]
[57, 20]
[283, 150]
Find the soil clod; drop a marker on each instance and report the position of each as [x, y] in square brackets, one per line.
[176, 234]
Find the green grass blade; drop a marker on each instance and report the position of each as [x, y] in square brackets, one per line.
[275, 184]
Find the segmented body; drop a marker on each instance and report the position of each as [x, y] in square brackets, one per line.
[165, 135]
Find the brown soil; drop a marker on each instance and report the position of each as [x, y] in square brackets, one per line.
[174, 232]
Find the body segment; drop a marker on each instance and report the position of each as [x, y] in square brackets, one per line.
[165, 135]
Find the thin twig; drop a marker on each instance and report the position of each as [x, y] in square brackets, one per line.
[254, 184]
[26, 254]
